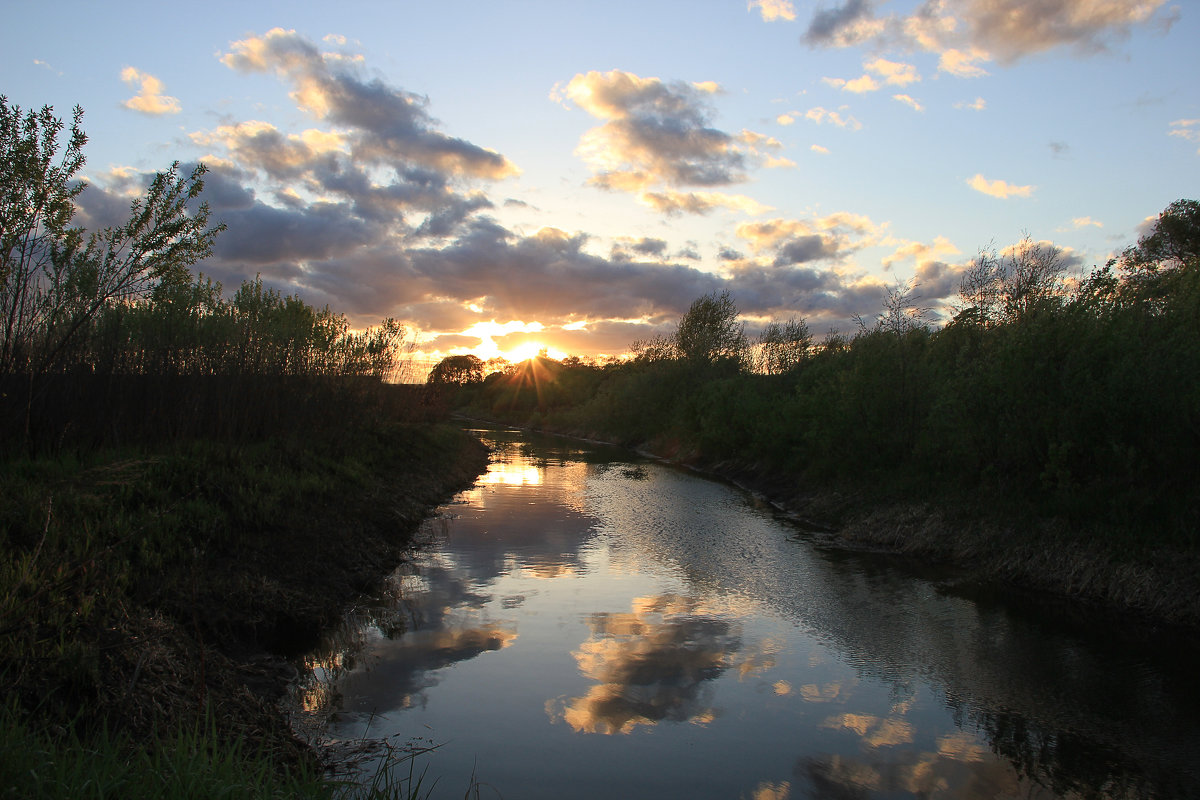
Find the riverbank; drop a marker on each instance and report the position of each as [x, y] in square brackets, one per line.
[152, 592]
[993, 547]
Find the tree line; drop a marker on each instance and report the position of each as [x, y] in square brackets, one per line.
[108, 337]
[1070, 397]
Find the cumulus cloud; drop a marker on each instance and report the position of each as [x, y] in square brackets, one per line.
[773, 10]
[150, 98]
[998, 188]
[787, 242]
[657, 138]
[387, 124]
[979, 105]
[816, 148]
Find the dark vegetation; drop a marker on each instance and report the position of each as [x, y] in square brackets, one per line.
[1047, 433]
[193, 486]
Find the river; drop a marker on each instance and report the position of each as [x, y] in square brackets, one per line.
[585, 623]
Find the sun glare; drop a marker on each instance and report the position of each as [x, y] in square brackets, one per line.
[527, 350]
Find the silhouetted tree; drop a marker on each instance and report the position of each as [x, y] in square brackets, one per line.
[710, 331]
[456, 371]
[55, 279]
[783, 347]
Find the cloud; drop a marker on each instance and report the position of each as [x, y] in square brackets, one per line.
[627, 249]
[657, 138]
[965, 32]
[387, 124]
[1085, 222]
[858, 86]
[979, 105]
[671, 202]
[816, 148]
[963, 63]
[821, 115]
[150, 98]
[908, 101]
[1017, 28]
[921, 251]
[789, 242]
[845, 25]
[1186, 129]
[998, 188]
[773, 10]
[892, 73]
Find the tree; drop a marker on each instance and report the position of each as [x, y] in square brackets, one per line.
[995, 289]
[1162, 260]
[710, 331]
[782, 348]
[55, 279]
[456, 371]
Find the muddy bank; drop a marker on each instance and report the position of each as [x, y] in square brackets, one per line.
[1158, 585]
[204, 569]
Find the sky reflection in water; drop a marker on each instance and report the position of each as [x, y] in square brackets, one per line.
[583, 625]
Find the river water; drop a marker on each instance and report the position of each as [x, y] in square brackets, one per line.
[584, 623]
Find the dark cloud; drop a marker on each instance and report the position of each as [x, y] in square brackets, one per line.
[649, 247]
[729, 254]
[829, 26]
[803, 249]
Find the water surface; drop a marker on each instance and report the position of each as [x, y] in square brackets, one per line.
[584, 623]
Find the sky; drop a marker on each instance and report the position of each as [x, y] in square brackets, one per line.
[503, 177]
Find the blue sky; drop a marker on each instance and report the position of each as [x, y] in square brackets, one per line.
[573, 175]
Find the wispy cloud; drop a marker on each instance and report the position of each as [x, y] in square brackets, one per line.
[999, 188]
[1187, 129]
[821, 115]
[909, 101]
[150, 98]
[978, 105]
[1082, 222]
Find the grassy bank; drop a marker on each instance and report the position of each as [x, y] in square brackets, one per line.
[148, 597]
